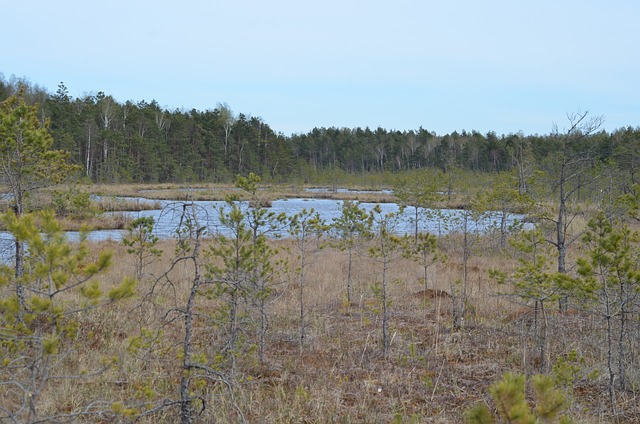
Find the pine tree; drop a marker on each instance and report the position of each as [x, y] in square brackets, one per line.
[39, 338]
[27, 162]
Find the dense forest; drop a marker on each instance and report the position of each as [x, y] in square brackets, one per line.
[144, 143]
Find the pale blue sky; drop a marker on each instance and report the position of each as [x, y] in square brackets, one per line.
[490, 65]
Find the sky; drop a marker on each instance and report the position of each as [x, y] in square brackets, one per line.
[492, 65]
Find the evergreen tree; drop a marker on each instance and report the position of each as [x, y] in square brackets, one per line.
[27, 161]
[609, 281]
[40, 338]
[352, 226]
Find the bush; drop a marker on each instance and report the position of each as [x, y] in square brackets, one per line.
[70, 203]
[509, 396]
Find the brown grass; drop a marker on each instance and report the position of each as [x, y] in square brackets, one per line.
[433, 374]
[115, 221]
[266, 193]
[222, 191]
[115, 204]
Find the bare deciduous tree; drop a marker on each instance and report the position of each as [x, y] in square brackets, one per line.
[572, 172]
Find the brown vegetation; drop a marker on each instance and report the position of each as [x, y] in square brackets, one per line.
[267, 193]
[432, 374]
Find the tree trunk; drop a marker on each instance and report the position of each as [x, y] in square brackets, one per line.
[503, 230]
[186, 407]
[88, 154]
[416, 229]
[185, 397]
[563, 301]
[301, 295]
[624, 297]
[543, 339]
[349, 277]
[20, 252]
[612, 376]
[385, 318]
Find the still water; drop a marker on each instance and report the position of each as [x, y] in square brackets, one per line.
[167, 219]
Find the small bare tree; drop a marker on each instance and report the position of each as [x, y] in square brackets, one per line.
[187, 283]
[571, 173]
[228, 120]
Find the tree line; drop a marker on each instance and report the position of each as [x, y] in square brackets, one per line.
[210, 305]
[143, 142]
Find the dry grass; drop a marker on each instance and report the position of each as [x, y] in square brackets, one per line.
[266, 193]
[116, 204]
[114, 221]
[433, 373]
[222, 191]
